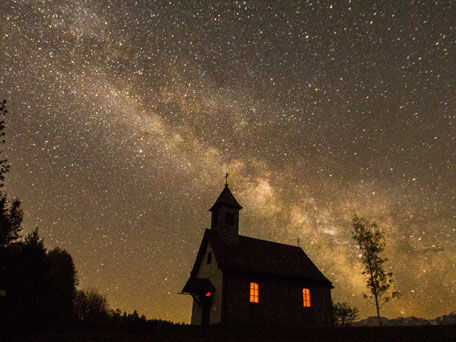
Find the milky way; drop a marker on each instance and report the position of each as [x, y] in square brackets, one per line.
[125, 116]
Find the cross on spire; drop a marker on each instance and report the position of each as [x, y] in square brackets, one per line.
[226, 179]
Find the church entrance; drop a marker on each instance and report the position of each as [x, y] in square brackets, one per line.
[206, 309]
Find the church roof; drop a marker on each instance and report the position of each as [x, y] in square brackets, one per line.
[226, 198]
[198, 286]
[260, 256]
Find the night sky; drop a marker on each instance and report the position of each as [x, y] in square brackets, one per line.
[125, 115]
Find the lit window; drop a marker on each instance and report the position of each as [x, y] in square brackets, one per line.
[254, 293]
[208, 294]
[306, 298]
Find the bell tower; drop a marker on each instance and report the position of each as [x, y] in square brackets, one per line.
[225, 213]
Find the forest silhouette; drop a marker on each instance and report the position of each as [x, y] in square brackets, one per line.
[38, 287]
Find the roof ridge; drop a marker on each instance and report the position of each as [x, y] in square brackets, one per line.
[268, 241]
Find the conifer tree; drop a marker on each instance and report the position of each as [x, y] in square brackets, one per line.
[10, 214]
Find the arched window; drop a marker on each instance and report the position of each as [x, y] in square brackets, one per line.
[306, 298]
[254, 293]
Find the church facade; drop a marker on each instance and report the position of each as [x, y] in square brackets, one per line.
[239, 280]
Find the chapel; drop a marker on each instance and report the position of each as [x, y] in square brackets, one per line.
[239, 280]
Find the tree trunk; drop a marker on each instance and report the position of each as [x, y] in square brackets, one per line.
[374, 288]
[378, 310]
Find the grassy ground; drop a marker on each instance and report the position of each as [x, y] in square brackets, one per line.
[355, 334]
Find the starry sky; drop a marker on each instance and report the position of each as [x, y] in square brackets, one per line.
[125, 116]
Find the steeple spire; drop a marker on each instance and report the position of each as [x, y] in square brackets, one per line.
[225, 212]
[226, 198]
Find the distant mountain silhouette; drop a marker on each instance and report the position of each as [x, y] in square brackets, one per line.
[449, 319]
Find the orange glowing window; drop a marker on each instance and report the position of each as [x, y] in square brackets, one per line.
[254, 293]
[306, 298]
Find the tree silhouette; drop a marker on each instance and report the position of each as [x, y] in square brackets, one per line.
[63, 281]
[40, 286]
[371, 243]
[91, 309]
[4, 166]
[32, 283]
[10, 215]
[344, 315]
[10, 227]
[10, 220]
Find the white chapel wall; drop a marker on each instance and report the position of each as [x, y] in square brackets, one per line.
[215, 275]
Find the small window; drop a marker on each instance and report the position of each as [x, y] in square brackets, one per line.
[254, 293]
[229, 219]
[306, 298]
[209, 258]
